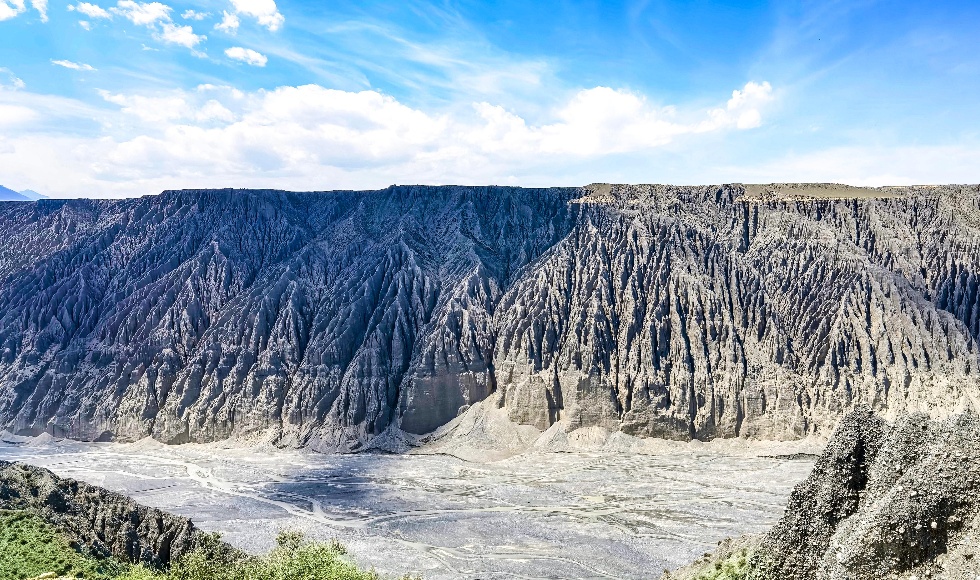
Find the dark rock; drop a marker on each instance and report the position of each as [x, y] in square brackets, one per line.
[95, 519]
[882, 501]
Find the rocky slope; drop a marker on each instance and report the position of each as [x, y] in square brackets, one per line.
[94, 519]
[342, 320]
[883, 501]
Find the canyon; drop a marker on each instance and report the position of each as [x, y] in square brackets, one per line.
[358, 320]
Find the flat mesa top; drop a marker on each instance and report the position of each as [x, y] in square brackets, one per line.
[606, 193]
[812, 191]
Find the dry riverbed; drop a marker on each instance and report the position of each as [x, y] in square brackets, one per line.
[540, 514]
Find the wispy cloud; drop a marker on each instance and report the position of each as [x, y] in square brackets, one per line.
[73, 65]
[460, 67]
[9, 81]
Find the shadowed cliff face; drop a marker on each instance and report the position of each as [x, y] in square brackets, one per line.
[335, 317]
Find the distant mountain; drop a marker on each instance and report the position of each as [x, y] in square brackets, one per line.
[11, 195]
[33, 195]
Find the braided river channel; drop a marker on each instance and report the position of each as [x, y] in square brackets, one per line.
[540, 514]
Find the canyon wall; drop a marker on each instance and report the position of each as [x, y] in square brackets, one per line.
[344, 320]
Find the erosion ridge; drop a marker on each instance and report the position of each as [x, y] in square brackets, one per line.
[343, 320]
[97, 520]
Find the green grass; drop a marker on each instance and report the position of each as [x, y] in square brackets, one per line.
[30, 547]
[735, 567]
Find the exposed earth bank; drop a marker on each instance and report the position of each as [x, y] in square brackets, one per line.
[883, 501]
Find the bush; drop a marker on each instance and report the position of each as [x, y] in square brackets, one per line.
[294, 558]
[735, 567]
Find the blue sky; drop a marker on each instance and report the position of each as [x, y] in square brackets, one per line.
[124, 97]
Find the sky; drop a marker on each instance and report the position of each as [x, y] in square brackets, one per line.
[115, 98]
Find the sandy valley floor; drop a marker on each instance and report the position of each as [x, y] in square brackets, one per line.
[541, 514]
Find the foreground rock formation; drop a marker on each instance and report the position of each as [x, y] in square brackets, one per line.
[883, 501]
[344, 320]
[96, 520]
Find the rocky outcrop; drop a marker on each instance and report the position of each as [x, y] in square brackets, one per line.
[896, 501]
[95, 519]
[341, 320]
[883, 502]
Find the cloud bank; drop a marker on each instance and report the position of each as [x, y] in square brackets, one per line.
[311, 137]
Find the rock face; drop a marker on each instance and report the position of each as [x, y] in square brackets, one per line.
[341, 320]
[883, 502]
[104, 522]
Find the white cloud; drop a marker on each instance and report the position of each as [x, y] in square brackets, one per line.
[313, 137]
[152, 15]
[142, 13]
[194, 15]
[229, 23]
[11, 115]
[264, 11]
[177, 106]
[246, 55]
[11, 8]
[73, 65]
[90, 10]
[869, 166]
[181, 35]
[151, 109]
[42, 8]
[743, 109]
[299, 129]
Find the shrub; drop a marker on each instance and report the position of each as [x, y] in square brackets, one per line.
[294, 558]
[735, 567]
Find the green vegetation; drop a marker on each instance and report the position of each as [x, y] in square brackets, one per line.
[294, 558]
[29, 547]
[735, 567]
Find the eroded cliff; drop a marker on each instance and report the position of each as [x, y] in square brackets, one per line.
[340, 320]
